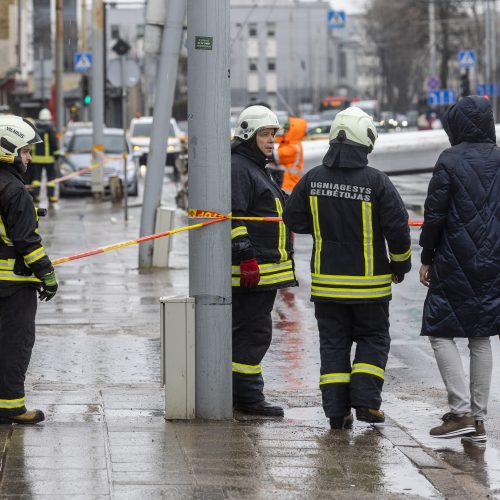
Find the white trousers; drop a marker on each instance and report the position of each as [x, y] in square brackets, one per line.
[463, 399]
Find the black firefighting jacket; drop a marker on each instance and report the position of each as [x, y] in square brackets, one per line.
[351, 210]
[256, 194]
[43, 152]
[23, 260]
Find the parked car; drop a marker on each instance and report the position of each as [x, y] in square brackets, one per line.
[78, 155]
[140, 137]
[70, 129]
[318, 131]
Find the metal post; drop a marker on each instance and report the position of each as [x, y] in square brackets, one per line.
[432, 39]
[19, 37]
[59, 68]
[123, 61]
[487, 44]
[83, 48]
[97, 102]
[493, 53]
[209, 189]
[165, 87]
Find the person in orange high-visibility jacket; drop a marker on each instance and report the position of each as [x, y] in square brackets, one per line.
[290, 152]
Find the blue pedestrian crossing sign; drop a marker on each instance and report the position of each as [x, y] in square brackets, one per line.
[82, 61]
[442, 97]
[466, 58]
[336, 19]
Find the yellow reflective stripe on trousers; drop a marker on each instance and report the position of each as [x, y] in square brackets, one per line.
[11, 403]
[3, 233]
[366, 211]
[351, 293]
[34, 256]
[400, 257]
[282, 232]
[335, 378]
[318, 242]
[246, 369]
[238, 231]
[369, 369]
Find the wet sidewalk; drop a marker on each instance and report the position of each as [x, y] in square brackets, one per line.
[95, 372]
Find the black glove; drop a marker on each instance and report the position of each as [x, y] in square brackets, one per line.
[49, 286]
[398, 278]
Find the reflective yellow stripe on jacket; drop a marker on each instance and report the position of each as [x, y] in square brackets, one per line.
[366, 211]
[350, 287]
[318, 242]
[282, 233]
[270, 274]
[238, 231]
[46, 157]
[400, 257]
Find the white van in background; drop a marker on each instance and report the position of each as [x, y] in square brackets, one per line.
[140, 137]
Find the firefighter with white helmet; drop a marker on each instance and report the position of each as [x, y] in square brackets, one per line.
[354, 214]
[261, 255]
[44, 157]
[25, 269]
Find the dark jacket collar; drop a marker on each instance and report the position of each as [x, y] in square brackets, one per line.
[341, 155]
[470, 120]
[250, 150]
[13, 168]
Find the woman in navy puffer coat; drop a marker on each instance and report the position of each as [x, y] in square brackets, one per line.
[461, 262]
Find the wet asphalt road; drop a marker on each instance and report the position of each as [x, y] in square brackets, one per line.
[95, 372]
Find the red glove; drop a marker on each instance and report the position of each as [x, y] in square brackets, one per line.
[250, 275]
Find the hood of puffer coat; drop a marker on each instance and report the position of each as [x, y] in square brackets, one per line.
[470, 120]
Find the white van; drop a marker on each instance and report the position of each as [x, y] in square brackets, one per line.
[140, 137]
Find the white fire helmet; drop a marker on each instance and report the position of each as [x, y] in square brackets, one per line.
[354, 125]
[15, 133]
[255, 118]
[45, 115]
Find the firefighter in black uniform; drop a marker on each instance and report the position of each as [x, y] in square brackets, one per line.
[24, 269]
[352, 211]
[44, 156]
[261, 255]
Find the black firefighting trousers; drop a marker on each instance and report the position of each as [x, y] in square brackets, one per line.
[252, 334]
[345, 386]
[17, 337]
[37, 177]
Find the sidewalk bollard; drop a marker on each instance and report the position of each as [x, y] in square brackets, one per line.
[177, 348]
[116, 190]
[165, 219]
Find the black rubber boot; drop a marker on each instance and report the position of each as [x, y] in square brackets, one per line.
[260, 408]
[341, 422]
[370, 415]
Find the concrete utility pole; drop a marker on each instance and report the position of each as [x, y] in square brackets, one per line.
[59, 69]
[83, 48]
[209, 189]
[97, 102]
[432, 39]
[165, 88]
[493, 52]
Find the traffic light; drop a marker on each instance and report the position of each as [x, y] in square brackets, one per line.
[465, 83]
[85, 90]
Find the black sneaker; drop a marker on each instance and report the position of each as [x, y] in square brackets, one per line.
[477, 437]
[453, 426]
[261, 408]
[370, 415]
[341, 422]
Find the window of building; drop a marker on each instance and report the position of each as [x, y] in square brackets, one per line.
[271, 30]
[115, 31]
[139, 29]
[252, 30]
[271, 64]
[252, 65]
[330, 65]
